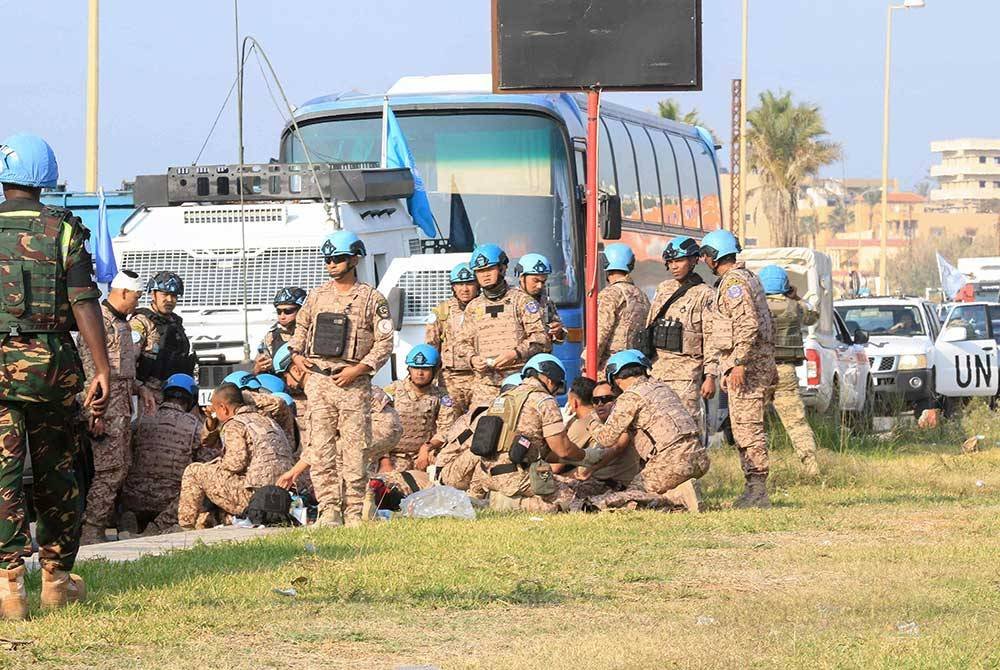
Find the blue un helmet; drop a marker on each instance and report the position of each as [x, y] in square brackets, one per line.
[287, 399]
[532, 264]
[548, 365]
[719, 244]
[461, 274]
[167, 282]
[774, 279]
[622, 360]
[28, 160]
[242, 379]
[511, 382]
[272, 383]
[290, 295]
[282, 359]
[182, 382]
[681, 247]
[343, 243]
[618, 257]
[487, 256]
[423, 356]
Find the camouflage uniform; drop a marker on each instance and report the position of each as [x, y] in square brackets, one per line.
[164, 348]
[164, 444]
[622, 308]
[426, 414]
[684, 370]
[113, 450]
[273, 339]
[442, 332]
[551, 314]
[456, 465]
[787, 400]
[742, 330]
[512, 490]
[340, 427]
[666, 437]
[493, 327]
[614, 476]
[278, 411]
[41, 377]
[387, 428]
[255, 453]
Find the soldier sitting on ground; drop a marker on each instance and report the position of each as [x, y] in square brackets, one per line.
[255, 453]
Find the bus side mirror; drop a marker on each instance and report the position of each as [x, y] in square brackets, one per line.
[396, 299]
[609, 216]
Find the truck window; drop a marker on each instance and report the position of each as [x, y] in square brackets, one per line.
[973, 318]
[884, 320]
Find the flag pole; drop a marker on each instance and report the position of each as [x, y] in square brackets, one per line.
[385, 131]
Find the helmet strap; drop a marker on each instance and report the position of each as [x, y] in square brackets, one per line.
[496, 291]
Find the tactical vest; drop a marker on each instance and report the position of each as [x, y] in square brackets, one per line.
[174, 350]
[359, 337]
[418, 416]
[662, 419]
[164, 447]
[788, 345]
[449, 334]
[497, 426]
[630, 329]
[499, 327]
[32, 285]
[270, 453]
[277, 338]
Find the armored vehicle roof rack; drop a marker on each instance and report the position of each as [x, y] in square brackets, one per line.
[221, 184]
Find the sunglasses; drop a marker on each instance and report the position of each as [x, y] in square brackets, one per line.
[337, 259]
[286, 310]
[603, 399]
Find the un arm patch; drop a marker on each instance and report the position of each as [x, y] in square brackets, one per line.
[531, 307]
[735, 291]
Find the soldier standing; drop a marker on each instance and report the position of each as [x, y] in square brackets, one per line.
[164, 348]
[622, 307]
[112, 447]
[679, 326]
[790, 315]
[532, 271]
[443, 331]
[48, 291]
[425, 410]
[503, 327]
[343, 334]
[287, 303]
[742, 346]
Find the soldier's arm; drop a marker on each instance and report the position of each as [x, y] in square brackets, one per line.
[446, 417]
[83, 295]
[622, 415]
[535, 339]
[465, 345]
[303, 321]
[809, 315]
[607, 316]
[554, 431]
[709, 351]
[236, 455]
[382, 324]
[746, 325]
[433, 331]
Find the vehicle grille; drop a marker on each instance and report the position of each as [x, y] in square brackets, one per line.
[886, 363]
[250, 214]
[423, 291]
[214, 277]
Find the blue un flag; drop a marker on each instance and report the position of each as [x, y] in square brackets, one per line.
[398, 156]
[104, 253]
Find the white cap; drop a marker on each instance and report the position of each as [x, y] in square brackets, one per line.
[127, 280]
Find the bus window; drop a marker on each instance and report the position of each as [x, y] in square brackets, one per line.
[669, 189]
[606, 162]
[649, 187]
[689, 184]
[628, 182]
[708, 185]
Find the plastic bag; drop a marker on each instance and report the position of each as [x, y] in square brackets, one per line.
[438, 501]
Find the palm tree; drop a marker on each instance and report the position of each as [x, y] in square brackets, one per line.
[671, 109]
[786, 144]
[872, 196]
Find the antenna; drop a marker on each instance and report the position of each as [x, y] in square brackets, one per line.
[239, 178]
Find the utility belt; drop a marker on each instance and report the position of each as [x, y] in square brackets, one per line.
[667, 334]
[540, 475]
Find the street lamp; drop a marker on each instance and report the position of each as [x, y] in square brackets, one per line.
[883, 258]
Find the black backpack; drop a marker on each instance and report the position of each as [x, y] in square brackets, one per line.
[269, 506]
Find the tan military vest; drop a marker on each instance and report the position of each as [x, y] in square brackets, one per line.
[662, 421]
[499, 327]
[451, 317]
[270, 453]
[418, 414]
[361, 318]
[164, 445]
[632, 319]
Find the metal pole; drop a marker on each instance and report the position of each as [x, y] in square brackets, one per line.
[384, 161]
[738, 226]
[93, 51]
[590, 236]
[884, 234]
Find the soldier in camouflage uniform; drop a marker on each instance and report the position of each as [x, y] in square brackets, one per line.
[287, 303]
[45, 275]
[164, 348]
[622, 307]
[532, 271]
[425, 410]
[343, 335]
[503, 327]
[442, 333]
[255, 453]
[112, 448]
[742, 348]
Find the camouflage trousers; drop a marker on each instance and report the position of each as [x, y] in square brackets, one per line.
[386, 432]
[207, 482]
[459, 468]
[458, 385]
[486, 385]
[160, 509]
[689, 391]
[666, 479]
[340, 437]
[50, 432]
[563, 500]
[746, 414]
[792, 412]
[112, 457]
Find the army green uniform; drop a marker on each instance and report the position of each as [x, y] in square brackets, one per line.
[44, 270]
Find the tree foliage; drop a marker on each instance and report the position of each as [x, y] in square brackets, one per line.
[787, 142]
[671, 109]
[915, 269]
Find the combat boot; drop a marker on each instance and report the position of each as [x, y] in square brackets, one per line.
[756, 493]
[91, 534]
[60, 588]
[744, 500]
[330, 518]
[810, 465]
[128, 523]
[13, 597]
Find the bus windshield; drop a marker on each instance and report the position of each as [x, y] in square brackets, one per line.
[490, 177]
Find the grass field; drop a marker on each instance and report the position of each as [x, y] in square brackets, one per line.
[890, 560]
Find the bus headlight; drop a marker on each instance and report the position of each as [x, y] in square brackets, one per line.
[912, 362]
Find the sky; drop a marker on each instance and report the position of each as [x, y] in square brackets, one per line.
[166, 68]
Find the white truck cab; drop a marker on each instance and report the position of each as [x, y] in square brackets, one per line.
[965, 356]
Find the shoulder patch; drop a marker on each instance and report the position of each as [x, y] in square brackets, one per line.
[383, 309]
[384, 326]
[447, 401]
[531, 307]
[735, 291]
